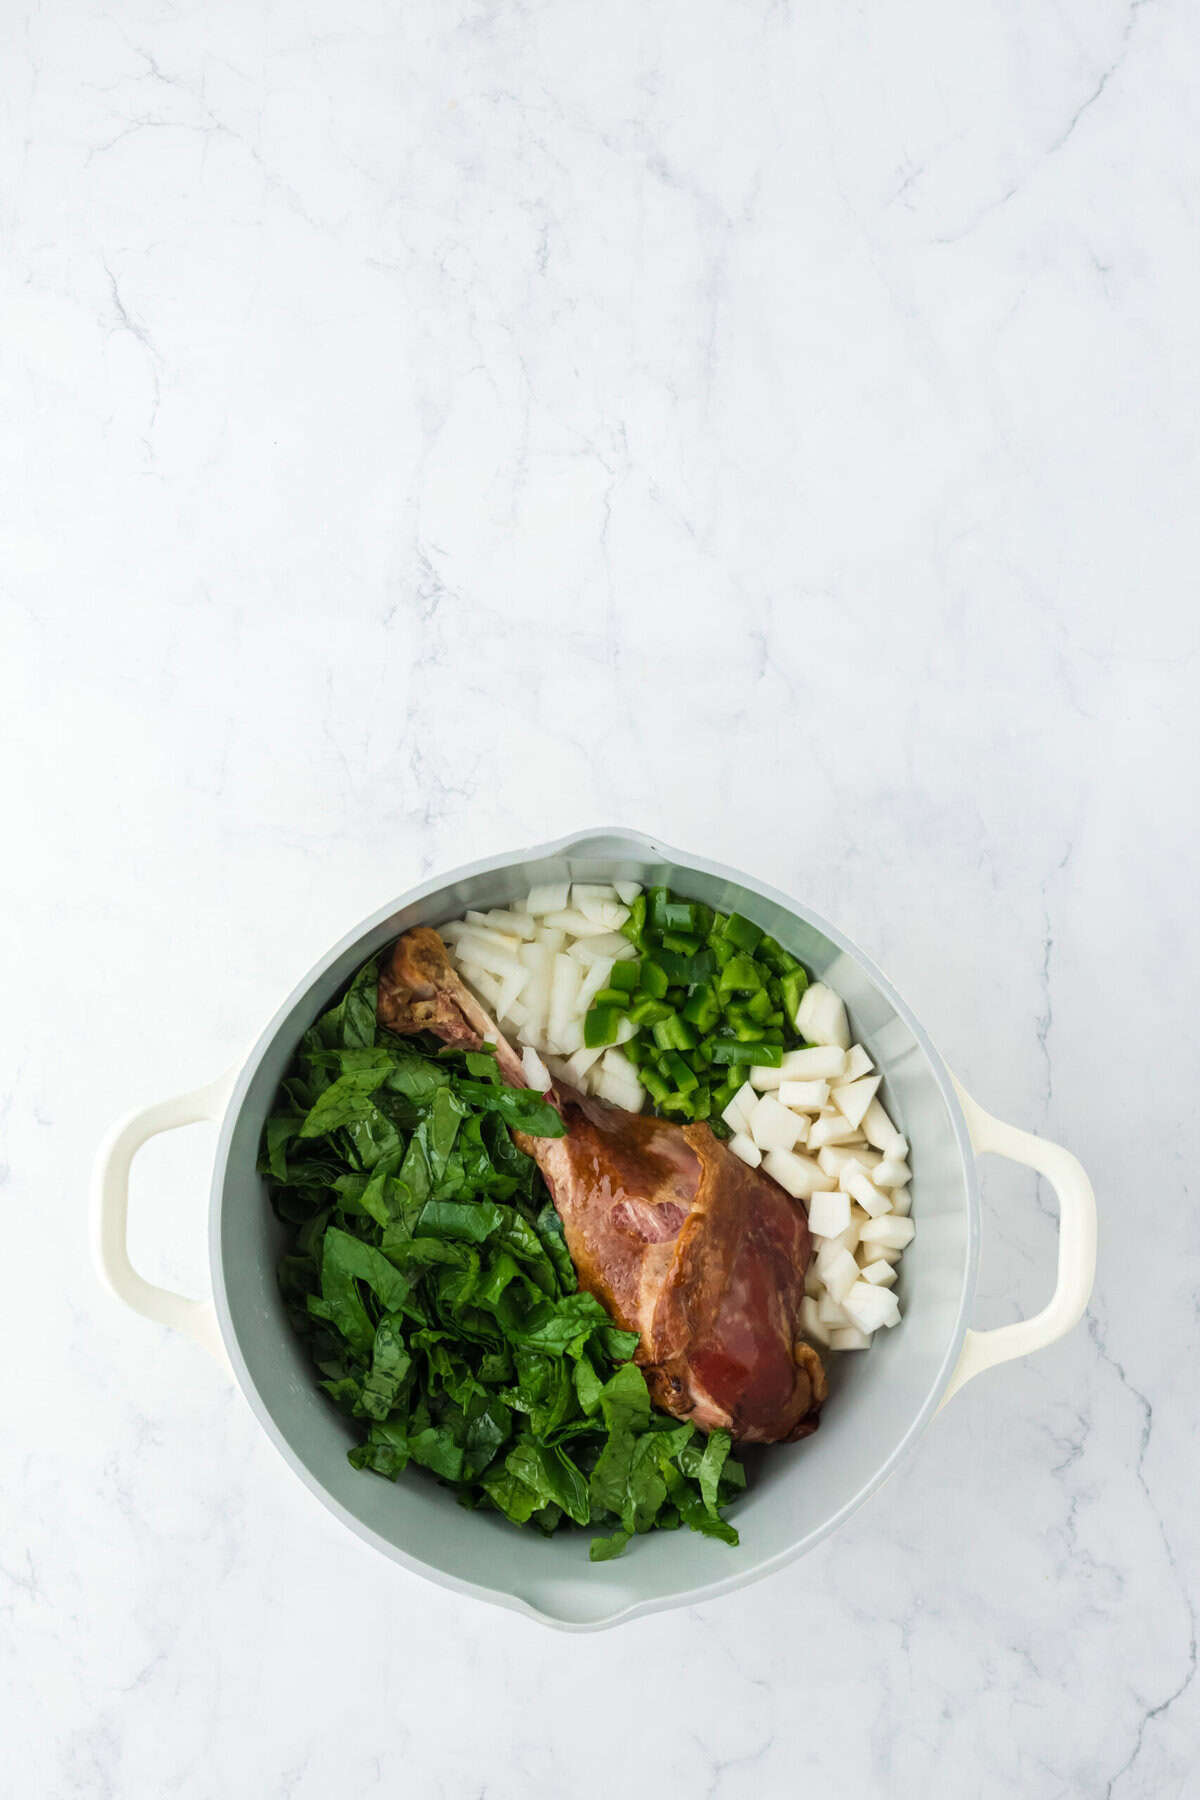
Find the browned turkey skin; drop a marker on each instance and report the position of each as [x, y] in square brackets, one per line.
[680, 1240]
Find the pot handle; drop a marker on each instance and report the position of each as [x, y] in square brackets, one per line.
[110, 1211]
[1076, 1245]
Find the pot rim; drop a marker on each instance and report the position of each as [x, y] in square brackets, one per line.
[635, 845]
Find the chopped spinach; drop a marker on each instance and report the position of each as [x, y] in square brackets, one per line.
[427, 1271]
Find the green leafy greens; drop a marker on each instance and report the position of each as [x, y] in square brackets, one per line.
[427, 1272]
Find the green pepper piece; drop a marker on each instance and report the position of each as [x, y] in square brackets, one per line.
[635, 925]
[646, 1011]
[658, 900]
[742, 933]
[740, 975]
[653, 977]
[756, 1007]
[626, 975]
[793, 986]
[685, 943]
[610, 996]
[600, 1025]
[674, 1033]
[658, 1089]
[776, 957]
[702, 1008]
[684, 1078]
[726, 1050]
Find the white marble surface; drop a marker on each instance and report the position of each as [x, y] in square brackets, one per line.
[432, 427]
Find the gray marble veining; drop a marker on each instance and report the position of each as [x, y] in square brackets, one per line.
[432, 429]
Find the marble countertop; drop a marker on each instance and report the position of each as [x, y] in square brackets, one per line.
[430, 429]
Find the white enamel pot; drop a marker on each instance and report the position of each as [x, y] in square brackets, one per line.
[880, 1402]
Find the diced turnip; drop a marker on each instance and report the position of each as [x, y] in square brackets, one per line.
[812, 1324]
[821, 1017]
[747, 1099]
[584, 893]
[804, 1096]
[878, 1272]
[830, 1128]
[880, 1253]
[517, 1016]
[510, 923]
[735, 1118]
[556, 1066]
[599, 904]
[765, 1079]
[891, 1231]
[510, 990]
[814, 1287]
[830, 1311]
[855, 1181]
[745, 1147]
[549, 898]
[772, 1126]
[849, 1338]
[537, 1075]
[853, 1099]
[553, 940]
[834, 1157]
[822, 1062]
[871, 1306]
[840, 1273]
[619, 1091]
[570, 1038]
[892, 1172]
[828, 1213]
[627, 892]
[485, 985]
[879, 1129]
[800, 1175]
[858, 1064]
[901, 1201]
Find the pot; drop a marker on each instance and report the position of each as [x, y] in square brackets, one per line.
[880, 1401]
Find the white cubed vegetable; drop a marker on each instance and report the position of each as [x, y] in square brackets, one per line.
[570, 1038]
[617, 1063]
[892, 1232]
[595, 977]
[747, 1099]
[517, 1015]
[627, 892]
[830, 1128]
[880, 1253]
[799, 1175]
[814, 1287]
[871, 1306]
[821, 1017]
[840, 1273]
[554, 941]
[858, 1063]
[557, 1067]
[828, 1214]
[628, 1095]
[580, 1062]
[600, 905]
[812, 1324]
[564, 988]
[550, 897]
[853, 1100]
[574, 923]
[537, 1075]
[510, 990]
[765, 1078]
[735, 1118]
[485, 985]
[849, 1338]
[823, 1062]
[834, 1157]
[855, 1181]
[901, 1201]
[598, 893]
[510, 923]
[746, 1148]
[830, 1311]
[772, 1126]
[878, 1272]
[891, 1172]
[880, 1131]
[607, 944]
[805, 1096]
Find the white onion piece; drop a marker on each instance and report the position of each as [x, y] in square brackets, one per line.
[834, 1157]
[812, 1324]
[509, 923]
[855, 1181]
[871, 1306]
[849, 1338]
[880, 1273]
[892, 1172]
[627, 892]
[773, 1127]
[804, 1096]
[831, 1128]
[537, 1075]
[879, 1130]
[550, 897]
[892, 1232]
[568, 920]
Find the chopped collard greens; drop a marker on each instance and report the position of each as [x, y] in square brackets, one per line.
[427, 1272]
